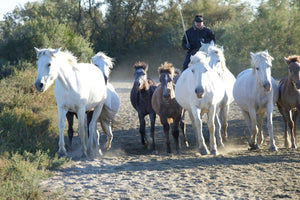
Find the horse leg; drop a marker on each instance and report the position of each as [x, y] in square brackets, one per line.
[70, 119]
[94, 134]
[183, 128]
[273, 147]
[293, 136]
[285, 115]
[254, 129]
[212, 129]
[142, 129]
[166, 126]
[81, 129]
[196, 118]
[175, 133]
[260, 118]
[107, 130]
[291, 126]
[224, 120]
[89, 118]
[61, 128]
[152, 130]
[218, 134]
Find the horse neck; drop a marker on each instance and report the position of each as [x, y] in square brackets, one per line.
[66, 75]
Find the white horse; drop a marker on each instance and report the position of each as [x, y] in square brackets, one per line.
[79, 87]
[112, 101]
[218, 63]
[200, 90]
[256, 92]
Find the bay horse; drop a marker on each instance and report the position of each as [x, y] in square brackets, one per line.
[166, 106]
[288, 102]
[111, 103]
[200, 90]
[79, 87]
[256, 92]
[140, 98]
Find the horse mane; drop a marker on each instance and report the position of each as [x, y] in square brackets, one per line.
[108, 62]
[293, 58]
[65, 54]
[141, 65]
[199, 56]
[166, 67]
[259, 56]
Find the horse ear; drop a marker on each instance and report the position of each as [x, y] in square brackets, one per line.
[266, 51]
[252, 54]
[57, 50]
[36, 50]
[222, 49]
[212, 43]
[286, 61]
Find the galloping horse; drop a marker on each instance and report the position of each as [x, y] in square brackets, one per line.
[166, 106]
[79, 87]
[199, 90]
[217, 62]
[288, 102]
[140, 97]
[111, 103]
[255, 92]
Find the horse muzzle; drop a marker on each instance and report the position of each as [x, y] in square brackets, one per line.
[267, 86]
[39, 86]
[199, 92]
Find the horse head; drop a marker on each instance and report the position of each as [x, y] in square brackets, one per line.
[261, 63]
[199, 67]
[140, 76]
[166, 75]
[217, 59]
[205, 46]
[104, 63]
[293, 63]
[47, 72]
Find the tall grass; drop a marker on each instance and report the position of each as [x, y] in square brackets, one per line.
[28, 136]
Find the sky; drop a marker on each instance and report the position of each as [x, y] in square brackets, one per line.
[10, 5]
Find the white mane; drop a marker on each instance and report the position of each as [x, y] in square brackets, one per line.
[104, 62]
[199, 56]
[261, 57]
[57, 54]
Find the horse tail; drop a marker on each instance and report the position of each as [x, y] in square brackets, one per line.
[107, 114]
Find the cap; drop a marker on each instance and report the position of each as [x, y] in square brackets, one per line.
[198, 18]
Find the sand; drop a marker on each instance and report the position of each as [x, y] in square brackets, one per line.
[130, 171]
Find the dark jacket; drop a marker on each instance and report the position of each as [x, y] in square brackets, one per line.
[195, 36]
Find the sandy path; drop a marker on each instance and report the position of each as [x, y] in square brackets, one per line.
[130, 171]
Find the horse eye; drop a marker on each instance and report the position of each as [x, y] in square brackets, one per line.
[192, 71]
[257, 68]
[49, 64]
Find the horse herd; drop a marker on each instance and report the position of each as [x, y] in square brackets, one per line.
[205, 87]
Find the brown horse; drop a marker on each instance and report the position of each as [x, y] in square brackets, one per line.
[140, 97]
[289, 99]
[166, 106]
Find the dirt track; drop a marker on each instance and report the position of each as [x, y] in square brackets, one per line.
[130, 171]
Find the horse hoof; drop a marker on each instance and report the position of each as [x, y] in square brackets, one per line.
[254, 147]
[273, 148]
[187, 144]
[154, 152]
[203, 151]
[294, 146]
[214, 152]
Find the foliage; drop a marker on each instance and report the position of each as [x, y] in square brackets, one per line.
[43, 33]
